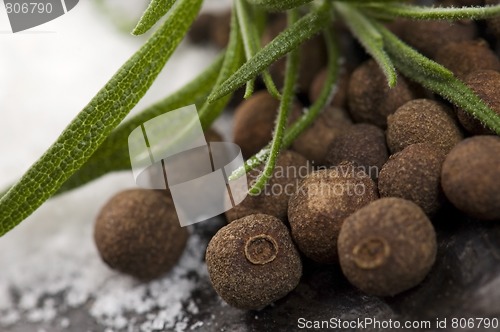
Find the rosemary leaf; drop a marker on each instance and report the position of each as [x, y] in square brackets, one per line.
[370, 38]
[427, 73]
[291, 74]
[288, 40]
[251, 42]
[430, 13]
[325, 97]
[155, 11]
[96, 121]
[279, 5]
[232, 61]
[113, 154]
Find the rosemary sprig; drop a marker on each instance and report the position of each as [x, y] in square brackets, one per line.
[291, 74]
[113, 156]
[396, 10]
[95, 122]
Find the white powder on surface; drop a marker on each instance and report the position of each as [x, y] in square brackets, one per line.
[66, 273]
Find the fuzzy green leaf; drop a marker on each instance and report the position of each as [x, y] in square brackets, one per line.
[96, 121]
[291, 38]
[370, 38]
[326, 95]
[429, 74]
[279, 4]
[232, 61]
[291, 74]
[113, 154]
[155, 11]
[251, 43]
[431, 13]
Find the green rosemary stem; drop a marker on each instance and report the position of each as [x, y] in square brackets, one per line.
[113, 154]
[369, 37]
[395, 10]
[325, 97]
[291, 74]
[232, 61]
[291, 38]
[438, 79]
[248, 43]
[88, 130]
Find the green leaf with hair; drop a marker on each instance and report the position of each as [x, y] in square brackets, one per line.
[155, 11]
[94, 123]
[291, 38]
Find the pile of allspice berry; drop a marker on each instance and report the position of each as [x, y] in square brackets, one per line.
[360, 188]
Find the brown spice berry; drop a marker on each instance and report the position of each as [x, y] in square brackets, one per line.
[325, 198]
[467, 56]
[314, 141]
[200, 30]
[138, 233]
[414, 174]
[340, 98]
[362, 144]
[370, 98]
[253, 262]
[422, 121]
[387, 247]
[486, 84]
[290, 168]
[220, 29]
[429, 36]
[254, 122]
[470, 176]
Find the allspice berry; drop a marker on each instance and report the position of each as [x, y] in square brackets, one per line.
[318, 209]
[290, 168]
[467, 56]
[220, 29]
[199, 32]
[470, 177]
[254, 122]
[370, 98]
[253, 262]
[138, 233]
[486, 84]
[423, 121]
[429, 36]
[387, 247]
[414, 174]
[314, 141]
[340, 97]
[362, 144]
